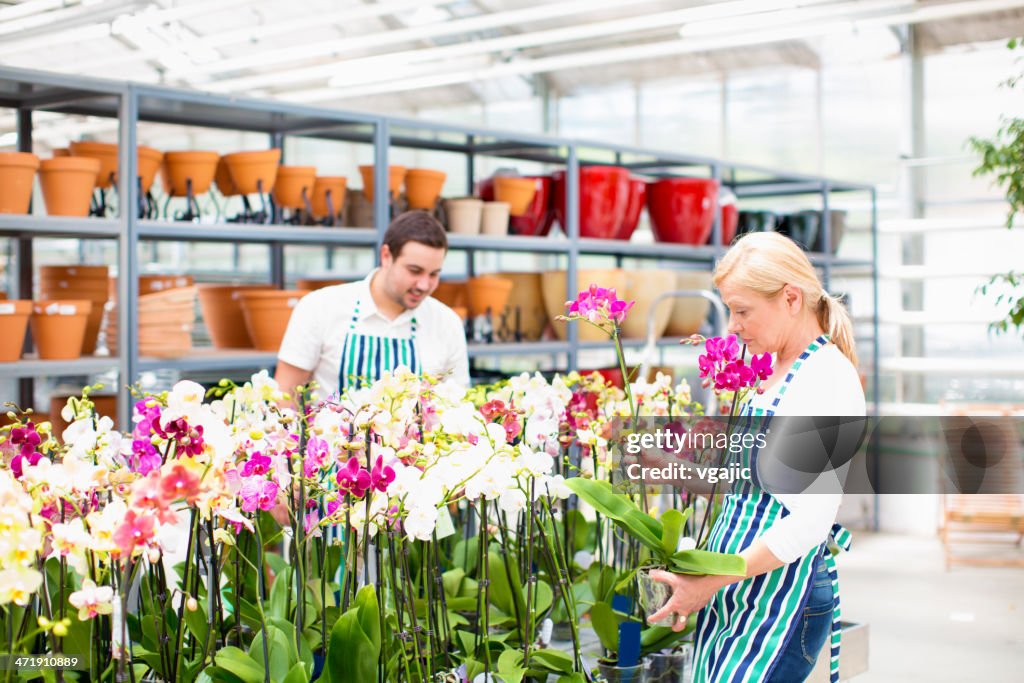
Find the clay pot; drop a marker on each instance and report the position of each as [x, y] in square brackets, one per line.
[755, 221]
[464, 215]
[61, 152]
[58, 328]
[604, 198]
[67, 184]
[690, 313]
[253, 172]
[75, 272]
[518, 192]
[149, 284]
[461, 311]
[730, 221]
[14, 317]
[294, 185]
[837, 227]
[396, 174]
[539, 215]
[78, 282]
[423, 187]
[451, 293]
[682, 210]
[495, 219]
[222, 177]
[267, 314]
[358, 209]
[221, 306]
[488, 294]
[17, 170]
[643, 287]
[335, 185]
[802, 227]
[312, 284]
[525, 302]
[180, 167]
[637, 196]
[148, 161]
[553, 284]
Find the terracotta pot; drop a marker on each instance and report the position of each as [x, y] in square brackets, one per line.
[464, 215]
[423, 187]
[553, 284]
[451, 293]
[14, 317]
[495, 219]
[461, 311]
[335, 185]
[222, 177]
[313, 284]
[58, 328]
[180, 167]
[539, 215]
[643, 287]
[488, 293]
[525, 304]
[76, 272]
[221, 306]
[682, 209]
[517, 192]
[604, 198]
[17, 171]
[358, 209]
[637, 195]
[148, 162]
[690, 313]
[253, 172]
[292, 182]
[67, 184]
[61, 152]
[396, 174]
[267, 315]
[149, 284]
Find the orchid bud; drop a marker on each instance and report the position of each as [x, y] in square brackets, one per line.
[60, 630]
[44, 623]
[154, 555]
[191, 604]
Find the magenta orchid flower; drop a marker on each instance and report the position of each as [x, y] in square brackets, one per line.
[257, 465]
[598, 305]
[723, 366]
[352, 478]
[259, 494]
[381, 475]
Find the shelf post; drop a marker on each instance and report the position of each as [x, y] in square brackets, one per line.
[127, 255]
[826, 235]
[277, 274]
[572, 218]
[23, 253]
[381, 182]
[716, 222]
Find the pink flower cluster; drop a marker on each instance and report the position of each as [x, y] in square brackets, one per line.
[145, 458]
[723, 366]
[24, 441]
[353, 479]
[599, 305]
[496, 411]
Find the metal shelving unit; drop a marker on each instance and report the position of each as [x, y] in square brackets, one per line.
[28, 91]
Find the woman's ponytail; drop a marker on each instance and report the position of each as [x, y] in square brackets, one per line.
[835, 320]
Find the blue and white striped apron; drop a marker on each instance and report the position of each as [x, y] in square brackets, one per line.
[742, 633]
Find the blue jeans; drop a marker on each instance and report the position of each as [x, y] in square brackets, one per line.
[813, 630]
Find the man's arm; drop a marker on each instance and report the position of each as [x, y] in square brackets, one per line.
[288, 377]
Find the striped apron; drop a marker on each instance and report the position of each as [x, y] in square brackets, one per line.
[741, 634]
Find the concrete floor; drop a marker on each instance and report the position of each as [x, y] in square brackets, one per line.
[927, 624]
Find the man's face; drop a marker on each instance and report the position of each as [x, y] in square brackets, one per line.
[413, 275]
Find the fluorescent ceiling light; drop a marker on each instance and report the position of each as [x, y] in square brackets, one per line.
[764, 20]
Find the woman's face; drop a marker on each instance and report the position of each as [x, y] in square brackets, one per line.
[759, 321]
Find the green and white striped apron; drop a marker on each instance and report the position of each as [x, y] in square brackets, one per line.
[743, 631]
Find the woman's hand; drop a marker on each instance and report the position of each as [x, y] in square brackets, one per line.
[689, 594]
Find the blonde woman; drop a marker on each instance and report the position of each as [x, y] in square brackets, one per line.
[771, 625]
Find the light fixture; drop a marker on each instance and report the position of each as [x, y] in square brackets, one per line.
[786, 17]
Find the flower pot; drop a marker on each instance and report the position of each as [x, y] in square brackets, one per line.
[451, 293]
[149, 284]
[90, 283]
[637, 196]
[729, 216]
[294, 186]
[396, 174]
[604, 198]
[149, 161]
[488, 294]
[495, 219]
[644, 286]
[539, 216]
[682, 210]
[689, 313]
[423, 187]
[221, 307]
[58, 328]
[517, 192]
[464, 215]
[61, 152]
[612, 673]
[267, 314]
[75, 272]
[837, 227]
[553, 284]
[67, 184]
[524, 312]
[670, 667]
[755, 221]
[222, 177]
[179, 168]
[14, 317]
[254, 172]
[312, 284]
[324, 186]
[105, 153]
[17, 170]
[801, 227]
[652, 596]
[358, 209]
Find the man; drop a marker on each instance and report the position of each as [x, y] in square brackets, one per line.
[350, 335]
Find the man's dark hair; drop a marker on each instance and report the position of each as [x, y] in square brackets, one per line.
[414, 226]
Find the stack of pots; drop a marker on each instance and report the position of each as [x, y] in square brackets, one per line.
[78, 283]
[267, 313]
[221, 306]
[17, 171]
[472, 216]
[163, 319]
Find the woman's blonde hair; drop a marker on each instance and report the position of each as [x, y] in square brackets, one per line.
[766, 262]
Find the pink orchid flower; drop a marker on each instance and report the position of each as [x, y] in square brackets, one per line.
[381, 475]
[352, 478]
[259, 495]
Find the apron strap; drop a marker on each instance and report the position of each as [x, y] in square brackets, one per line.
[842, 538]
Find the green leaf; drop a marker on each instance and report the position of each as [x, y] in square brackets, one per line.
[704, 562]
[452, 580]
[196, 624]
[281, 652]
[575, 677]
[239, 663]
[658, 638]
[620, 509]
[354, 646]
[277, 606]
[297, 674]
[672, 521]
[602, 582]
[555, 661]
[505, 591]
[606, 622]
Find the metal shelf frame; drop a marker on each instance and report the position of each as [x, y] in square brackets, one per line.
[131, 104]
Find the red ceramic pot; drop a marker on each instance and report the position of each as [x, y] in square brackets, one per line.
[539, 215]
[637, 196]
[604, 198]
[730, 220]
[682, 209]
